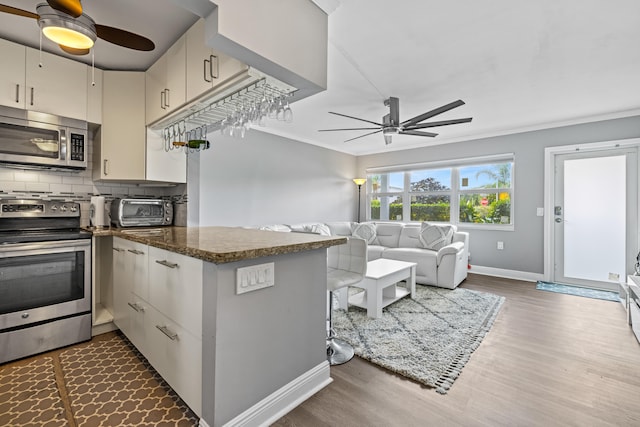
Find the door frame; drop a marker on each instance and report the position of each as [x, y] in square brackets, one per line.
[550, 154]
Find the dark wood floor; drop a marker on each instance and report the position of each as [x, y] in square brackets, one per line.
[549, 360]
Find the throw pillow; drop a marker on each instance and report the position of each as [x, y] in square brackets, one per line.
[321, 229]
[365, 231]
[435, 237]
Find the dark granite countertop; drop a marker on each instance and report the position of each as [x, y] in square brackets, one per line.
[221, 245]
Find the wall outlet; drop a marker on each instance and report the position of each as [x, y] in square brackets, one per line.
[254, 277]
[500, 246]
[614, 276]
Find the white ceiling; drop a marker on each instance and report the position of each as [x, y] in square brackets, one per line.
[518, 64]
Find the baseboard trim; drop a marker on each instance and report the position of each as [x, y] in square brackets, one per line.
[507, 274]
[277, 404]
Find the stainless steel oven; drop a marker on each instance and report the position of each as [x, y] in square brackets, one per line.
[45, 278]
[42, 140]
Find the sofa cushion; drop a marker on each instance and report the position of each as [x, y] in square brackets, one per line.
[388, 234]
[321, 229]
[340, 228]
[434, 236]
[426, 260]
[366, 231]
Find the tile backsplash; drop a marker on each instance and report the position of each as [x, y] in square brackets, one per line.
[75, 186]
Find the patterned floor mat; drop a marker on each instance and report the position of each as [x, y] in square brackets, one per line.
[578, 291]
[109, 384]
[29, 395]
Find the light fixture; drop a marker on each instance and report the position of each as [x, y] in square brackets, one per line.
[359, 182]
[387, 132]
[64, 30]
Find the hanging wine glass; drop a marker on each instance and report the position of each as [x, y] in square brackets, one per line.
[288, 114]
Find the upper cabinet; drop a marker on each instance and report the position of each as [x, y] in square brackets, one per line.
[43, 82]
[12, 74]
[124, 149]
[206, 68]
[56, 85]
[166, 82]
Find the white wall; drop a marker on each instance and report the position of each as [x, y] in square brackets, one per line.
[264, 179]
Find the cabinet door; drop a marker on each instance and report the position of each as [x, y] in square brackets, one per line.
[155, 83]
[206, 68]
[177, 356]
[59, 86]
[162, 165]
[122, 136]
[12, 77]
[165, 82]
[175, 288]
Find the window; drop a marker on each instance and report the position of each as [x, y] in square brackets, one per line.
[470, 192]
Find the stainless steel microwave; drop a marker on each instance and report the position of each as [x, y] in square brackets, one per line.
[141, 212]
[29, 138]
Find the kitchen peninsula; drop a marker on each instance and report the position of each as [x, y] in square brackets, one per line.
[232, 318]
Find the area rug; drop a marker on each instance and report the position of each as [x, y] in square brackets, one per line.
[29, 395]
[428, 339]
[578, 291]
[110, 384]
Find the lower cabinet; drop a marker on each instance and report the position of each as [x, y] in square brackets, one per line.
[158, 306]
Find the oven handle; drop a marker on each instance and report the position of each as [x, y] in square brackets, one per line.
[39, 246]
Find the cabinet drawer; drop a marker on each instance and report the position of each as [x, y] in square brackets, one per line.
[176, 355]
[175, 288]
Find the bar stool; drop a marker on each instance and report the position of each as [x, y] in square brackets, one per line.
[346, 265]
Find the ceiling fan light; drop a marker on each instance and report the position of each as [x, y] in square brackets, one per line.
[62, 29]
[387, 138]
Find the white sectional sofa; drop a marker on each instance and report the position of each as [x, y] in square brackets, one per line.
[445, 266]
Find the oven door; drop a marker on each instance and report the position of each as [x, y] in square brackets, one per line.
[44, 281]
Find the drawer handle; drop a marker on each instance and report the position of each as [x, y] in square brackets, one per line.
[135, 251]
[118, 249]
[167, 263]
[172, 335]
[136, 307]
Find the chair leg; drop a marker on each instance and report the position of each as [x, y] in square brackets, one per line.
[338, 351]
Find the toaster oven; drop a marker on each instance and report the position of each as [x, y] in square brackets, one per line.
[141, 212]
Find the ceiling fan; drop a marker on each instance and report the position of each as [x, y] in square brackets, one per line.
[391, 122]
[63, 22]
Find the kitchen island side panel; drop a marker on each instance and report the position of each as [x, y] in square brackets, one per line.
[257, 342]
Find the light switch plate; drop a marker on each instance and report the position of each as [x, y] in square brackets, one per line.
[540, 211]
[254, 277]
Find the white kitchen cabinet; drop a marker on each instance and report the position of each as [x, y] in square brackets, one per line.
[166, 82]
[175, 287]
[59, 86]
[158, 305]
[124, 150]
[206, 68]
[12, 74]
[119, 148]
[177, 355]
[130, 289]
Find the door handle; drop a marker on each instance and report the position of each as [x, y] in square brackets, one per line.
[558, 220]
[32, 96]
[167, 263]
[135, 251]
[168, 332]
[205, 62]
[217, 73]
[18, 92]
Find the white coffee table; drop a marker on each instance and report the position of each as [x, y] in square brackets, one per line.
[380, 285]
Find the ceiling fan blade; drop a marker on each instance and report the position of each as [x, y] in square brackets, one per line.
[440, 123]
[417, 133]
[429, 114]
[124, 38]
[331, 130]
[355, 118]
[362, 136]
[70, 7]
[19, 12]
[73, 50]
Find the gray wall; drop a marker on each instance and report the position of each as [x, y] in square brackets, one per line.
[265, 179]
[523, 247]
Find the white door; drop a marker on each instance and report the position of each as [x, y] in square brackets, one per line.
[594, 217]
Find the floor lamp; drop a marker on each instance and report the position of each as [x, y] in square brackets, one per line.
[359, 182]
